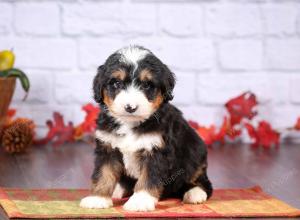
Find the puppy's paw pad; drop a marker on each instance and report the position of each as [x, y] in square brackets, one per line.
[195, 195]
[96, 202]
[141, 202]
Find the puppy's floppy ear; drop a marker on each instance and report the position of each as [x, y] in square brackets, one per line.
[169, 83]
[98, 84]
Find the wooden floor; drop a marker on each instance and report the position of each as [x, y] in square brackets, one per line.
[277, 171]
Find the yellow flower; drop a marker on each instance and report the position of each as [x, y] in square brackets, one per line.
[7, 59]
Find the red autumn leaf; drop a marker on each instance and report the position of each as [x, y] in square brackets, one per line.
[252, 133]
[92, 113]
[9, 117]
[264, 135]
[268, 136]
[227, 130]
[207, 134]
[297, 125]
[241, 107]
[11, 112]
[58, 132]
[232, 133]
[89, 123]
[193, 124]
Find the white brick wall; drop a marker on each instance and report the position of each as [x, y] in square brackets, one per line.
[5, 18]
[182, 20]
[276, 21]
[281, 54]
[241, 54]
[233, 19]
[217, 49]
[37, 19]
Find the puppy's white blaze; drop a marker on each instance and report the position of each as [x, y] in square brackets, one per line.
[136, 98]
[118, 192]
[96, 202]
[141, 201]
[132, 54]
[195, 195]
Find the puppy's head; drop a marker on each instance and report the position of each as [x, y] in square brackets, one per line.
[132, 84]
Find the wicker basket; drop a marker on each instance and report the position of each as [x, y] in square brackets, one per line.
[7, 88]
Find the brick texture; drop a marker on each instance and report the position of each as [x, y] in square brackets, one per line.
[5, 18]
[101, 18]
[281, 54]
[241, 54]
[189, 23]
[233, 19]
[37, 19]
[191, 54]
[280, 19]
[217, 49]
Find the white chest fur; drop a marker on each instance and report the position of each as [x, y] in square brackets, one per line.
[131, 164]
[128, 142]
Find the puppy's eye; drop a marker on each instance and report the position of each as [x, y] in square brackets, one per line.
[116, 84]
[147, 85]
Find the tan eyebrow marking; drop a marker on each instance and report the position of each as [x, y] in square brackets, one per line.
[145, 75]
[157, 101]
[106, 99]
[119, 74]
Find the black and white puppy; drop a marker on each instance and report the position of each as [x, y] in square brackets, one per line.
[145, 148]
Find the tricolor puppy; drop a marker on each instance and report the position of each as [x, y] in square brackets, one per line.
[145, 148]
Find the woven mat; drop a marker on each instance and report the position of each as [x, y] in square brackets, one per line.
[64, 203]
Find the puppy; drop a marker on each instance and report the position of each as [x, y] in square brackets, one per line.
[145, 148]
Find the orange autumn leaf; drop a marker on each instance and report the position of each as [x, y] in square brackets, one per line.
[297, 125]
[78, 133]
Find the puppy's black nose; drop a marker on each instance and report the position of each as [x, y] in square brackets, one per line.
[130, 109]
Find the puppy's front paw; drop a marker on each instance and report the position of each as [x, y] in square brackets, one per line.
[96, 202]
[140, 201]
[195, 195]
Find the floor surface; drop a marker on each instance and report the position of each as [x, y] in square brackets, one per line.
[276, 170]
